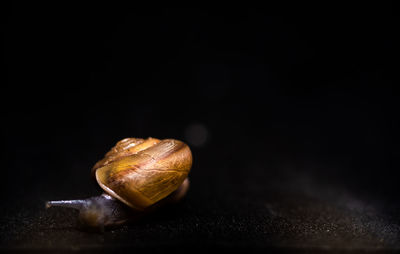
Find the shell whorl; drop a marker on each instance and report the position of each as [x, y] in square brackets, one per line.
[141, 172]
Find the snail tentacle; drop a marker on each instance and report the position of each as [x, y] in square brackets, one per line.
[76, 204]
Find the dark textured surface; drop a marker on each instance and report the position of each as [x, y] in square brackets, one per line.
[268, 203]
[293, 124]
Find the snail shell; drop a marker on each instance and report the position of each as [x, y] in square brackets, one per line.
[141, 172]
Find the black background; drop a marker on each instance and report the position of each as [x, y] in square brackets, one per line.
[300, 112]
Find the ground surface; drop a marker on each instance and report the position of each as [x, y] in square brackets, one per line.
[264, 205]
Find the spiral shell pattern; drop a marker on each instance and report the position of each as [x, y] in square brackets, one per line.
[141, 172]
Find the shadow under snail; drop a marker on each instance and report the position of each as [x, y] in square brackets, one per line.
[137, 176]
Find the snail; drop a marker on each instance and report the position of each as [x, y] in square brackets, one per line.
[138, 176]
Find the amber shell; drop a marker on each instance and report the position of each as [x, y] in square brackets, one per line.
[141, 172]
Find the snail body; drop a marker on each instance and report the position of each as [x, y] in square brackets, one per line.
[137, 176]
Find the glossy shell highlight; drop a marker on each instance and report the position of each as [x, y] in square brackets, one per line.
[141, 172]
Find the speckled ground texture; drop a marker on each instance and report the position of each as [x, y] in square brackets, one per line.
[269, 205]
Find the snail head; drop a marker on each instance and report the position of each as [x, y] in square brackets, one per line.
[96, 212]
